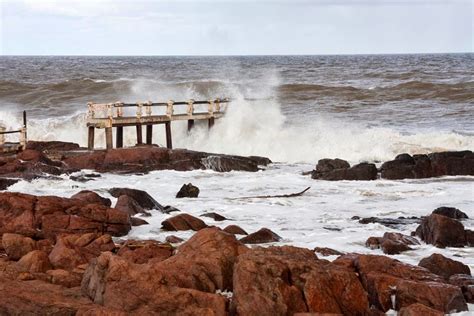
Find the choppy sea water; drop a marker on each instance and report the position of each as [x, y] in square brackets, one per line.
[292, 109]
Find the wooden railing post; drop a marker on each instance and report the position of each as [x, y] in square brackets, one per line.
[2, 136]
[169, 141]
[90, 142]
[108, 128]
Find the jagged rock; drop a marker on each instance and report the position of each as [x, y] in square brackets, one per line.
[235, 230]
[136, 221]
[337, 169]
[450, 212]
[16, 246]
[466, 283]
[183, 222]
[327, 251]
[130, 206]
[142, 251]
[91, 197]
[392, 243]
[34, 261]
[214, 216]
[419, 309]
[141, 197]
[262, 236]
[389, 222]
[188, 190]
[288, 280]
[442, 231]
[5, 183]
[442, 266]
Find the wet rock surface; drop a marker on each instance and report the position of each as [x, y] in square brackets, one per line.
[392, 243]
[188, 191]
[338, 169]
[183, 222]
[261, 236]
[442, 231]
[442, 266]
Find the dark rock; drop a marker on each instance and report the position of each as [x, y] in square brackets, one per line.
[137, 221]
[262, 236]
[141, 197]
[327, 251]
[326, 165]
[235, 230]
[169, 209]
[5, 183]
[214, 216]
[390, 222]
[442, 266]
[85, 177]
[452, 163]
[441, 231]
[188, 190]
[392, 243]
[130, 206]
[142, 251]
[91, 197]
[174, 239]
[450, 212]
[261, 161]
[466, 283]
[391, 247]
[183, 222]
[51, 146]
[362, 171]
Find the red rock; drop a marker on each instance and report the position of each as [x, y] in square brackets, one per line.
[183, 284]
[39, 298]
[264, 235]
[441, 231]
[442, 266]
[65, 278]
[91, 197]
[235, 230]
[383, 277]
[51, 146]
[142, 251]
[327, 251]
[391, 247]
[419, 309]
[439, 296]
[16, 246]
[466, 283]
[73, 250]
[128, 205]
[34, 261]
[183, 222]
[136, 221]
[142, 198]
[98, 310]
[174, 239]
[287, 280]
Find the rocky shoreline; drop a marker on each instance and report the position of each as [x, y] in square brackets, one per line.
[65, 256]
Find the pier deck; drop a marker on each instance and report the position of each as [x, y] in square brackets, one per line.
[113, 117]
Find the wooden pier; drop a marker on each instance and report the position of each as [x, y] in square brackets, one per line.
[112, 115]
[13, 147]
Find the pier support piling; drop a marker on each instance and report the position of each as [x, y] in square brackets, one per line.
[149, 134]
[108, 138]
[91, 135]
[139, 134]
[169, 143]
[211, 122]
[119, 140]
[190, 125]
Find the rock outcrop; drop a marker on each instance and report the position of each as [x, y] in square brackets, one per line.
[188, 191]
[337, 169]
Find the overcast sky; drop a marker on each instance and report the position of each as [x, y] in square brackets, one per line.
[234, 27]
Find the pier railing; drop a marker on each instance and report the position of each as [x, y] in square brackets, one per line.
[8, 147]
[109, 115]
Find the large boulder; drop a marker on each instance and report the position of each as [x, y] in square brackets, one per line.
[392, 243]
[466, 283]
[73, 250]
[145, 200]
[16, 246]
[450, 212]
[91, 197]
[129, 205]
[419, 309]
[288, 280]
[183, 222]
[442, 231]
[442, 266]
[188, 190]
[384, 278]
[185, 283]
[34, 261]
[264, 235]
[48, 216]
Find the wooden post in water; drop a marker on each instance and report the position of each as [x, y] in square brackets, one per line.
[211, 122]
[109, 138]
[149, 134]
[169, 142]
[90, 143]
[119, 140]
[139, 134]
[190, 125]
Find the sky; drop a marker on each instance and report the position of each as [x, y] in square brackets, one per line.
[234, 27]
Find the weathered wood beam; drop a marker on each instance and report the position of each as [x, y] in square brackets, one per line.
[149, 134]
[108, 138]
[119, 138]
[139, 134]
[169, 142]
[91, 136]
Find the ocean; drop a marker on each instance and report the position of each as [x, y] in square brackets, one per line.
[294, 110]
